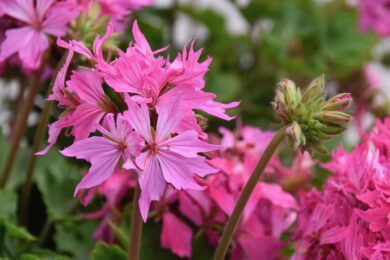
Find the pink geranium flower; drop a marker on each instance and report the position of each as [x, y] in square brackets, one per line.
[167, 159]
[42, 19]
[104, 152]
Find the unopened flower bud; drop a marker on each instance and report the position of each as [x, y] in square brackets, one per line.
[338, 102]
[315, 91]
[295, 136]
[334, 117]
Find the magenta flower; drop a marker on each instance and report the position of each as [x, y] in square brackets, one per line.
[167, 159]
[42, 19]
[104, 153]
[176, 235]
[375, 16]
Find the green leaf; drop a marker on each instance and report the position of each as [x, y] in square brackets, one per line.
[29, 257]
[15, 231]
[103, 251]
[8, 202]
[120, 234]
[75, 237]
[57, 178]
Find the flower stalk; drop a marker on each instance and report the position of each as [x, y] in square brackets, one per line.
[20, 126]
[234, 219]
[135, 227]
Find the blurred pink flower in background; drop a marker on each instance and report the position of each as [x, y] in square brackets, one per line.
[40, 20]
[375, 16]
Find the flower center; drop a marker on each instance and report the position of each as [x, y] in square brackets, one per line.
[153, 148]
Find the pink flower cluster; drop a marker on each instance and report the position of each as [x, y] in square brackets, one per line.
[34, 23]
[136, 112]
[269, 213]
[375, 16]
[350, 218]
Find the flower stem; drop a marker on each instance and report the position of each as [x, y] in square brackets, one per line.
[20, 126]
[234, 219]
[135, 228]
[38, 137]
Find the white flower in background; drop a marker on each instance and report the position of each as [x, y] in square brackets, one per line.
[8, 92]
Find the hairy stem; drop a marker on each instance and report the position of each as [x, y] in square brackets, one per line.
[234, 219]
[135, 227]
[20, 126]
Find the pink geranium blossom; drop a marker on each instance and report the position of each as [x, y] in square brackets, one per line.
[104, 153]
[167, 159]
[42, 19]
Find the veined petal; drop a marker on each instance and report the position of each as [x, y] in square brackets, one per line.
[138, 117]
[90, 148]
[169, 117]
[87, 85]
[176, 171]
[42, 7]
[85, 119]
[187, 144]
[102, 167]
[152, 186]
[15, 39]
[19, 9]
[200, 167]
[31, 53]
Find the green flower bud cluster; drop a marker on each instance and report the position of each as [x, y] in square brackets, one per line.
[310, 119]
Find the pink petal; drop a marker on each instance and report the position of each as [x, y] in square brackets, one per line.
[152, 185]
[31, 53]
[98, 44]
[176, 171]
[176, 235]
[57, 18]
[85, 119]
[200, 167]
[218, 109]
[42, 6]
[169, 117]
[138, 117]
[190, 209]
[59, 82]
[15, 39]
[103, 156]
[333, 235]
[19, 9]
[188, 144]
[91, 148]
[140, 39]
[87, 85]
[54, 132]
[222, 197]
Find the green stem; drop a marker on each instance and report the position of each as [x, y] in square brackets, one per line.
[135, 228]
[20, 126]
[39, 135]
[234, 219]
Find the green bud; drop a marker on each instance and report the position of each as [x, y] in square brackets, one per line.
[338, 102]
[334, 117]
[295, 136]
[315, 91]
